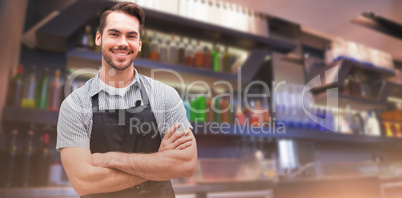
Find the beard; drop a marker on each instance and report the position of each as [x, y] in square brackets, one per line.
[108, 59]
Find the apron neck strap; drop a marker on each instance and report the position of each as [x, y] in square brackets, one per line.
[144, 97]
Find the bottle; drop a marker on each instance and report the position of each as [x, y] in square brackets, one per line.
[27, 158]
[55, 89]
[239, 116]
[189, 54]
[145, 48]
[202, 108]
[199, 55]
[398, 132]
[207, 58]
[173, 51]
[66, 88]
[28, 98]
[87, 41]
[216, 59]
[217, 114]
[388, 130]
[258, 110]
[210, 113]
[42, 162]
[372, 126]
[42, 91]
[163, 50]
[227, 61]
[224, 108]
[15, 88]
[254, 115]
[11, 159]
[154, 48]
[265, 114]
[181, 52]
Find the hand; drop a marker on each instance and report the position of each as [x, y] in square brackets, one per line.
[100, 159]
[176, 139]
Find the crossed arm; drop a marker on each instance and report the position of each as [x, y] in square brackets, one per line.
[160, 166]
[109, 172]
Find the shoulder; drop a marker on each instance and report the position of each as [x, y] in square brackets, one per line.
[79, 99]
[156, 86]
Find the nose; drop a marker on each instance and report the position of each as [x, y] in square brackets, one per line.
[123, 42]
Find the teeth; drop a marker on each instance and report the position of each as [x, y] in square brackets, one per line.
[121, 53]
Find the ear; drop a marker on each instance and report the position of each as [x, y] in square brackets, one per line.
[98, 39]
[140, 45]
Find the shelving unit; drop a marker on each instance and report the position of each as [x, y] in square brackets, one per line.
[81, 58]
[337, 72]
[355, 102]
[27, 115]
[64, 25]
[208, 129]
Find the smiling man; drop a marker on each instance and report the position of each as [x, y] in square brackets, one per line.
[124, 134]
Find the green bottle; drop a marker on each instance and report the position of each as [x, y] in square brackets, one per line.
[202, 104]
[216, 59]
[42, 91]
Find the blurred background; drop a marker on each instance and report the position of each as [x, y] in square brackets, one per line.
[329, 106]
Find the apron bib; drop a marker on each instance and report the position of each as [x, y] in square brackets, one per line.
[132, 130]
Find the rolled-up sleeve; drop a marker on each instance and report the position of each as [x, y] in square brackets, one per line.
[174, 110]
[71, 130]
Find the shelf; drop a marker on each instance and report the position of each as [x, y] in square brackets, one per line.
[395, 115]
[334, 74]
[354, 102]
[38, 116]
[206, 129]
[394, 90]
[81, 58]
[70, 20]
[26, 115]
[168, 22]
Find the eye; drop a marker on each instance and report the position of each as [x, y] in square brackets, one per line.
[113, 34]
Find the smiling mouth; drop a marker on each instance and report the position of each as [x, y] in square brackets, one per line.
[121, 53]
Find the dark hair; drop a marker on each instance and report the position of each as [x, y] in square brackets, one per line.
[129, 8]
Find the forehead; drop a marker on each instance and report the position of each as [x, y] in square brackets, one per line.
[122, 22]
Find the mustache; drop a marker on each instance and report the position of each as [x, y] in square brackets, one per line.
[122, 48]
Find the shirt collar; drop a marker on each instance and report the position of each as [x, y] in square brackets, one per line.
[97, 87]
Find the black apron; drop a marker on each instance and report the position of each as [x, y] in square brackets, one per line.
[111, 131]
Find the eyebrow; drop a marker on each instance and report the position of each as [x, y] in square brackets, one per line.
[114, 30]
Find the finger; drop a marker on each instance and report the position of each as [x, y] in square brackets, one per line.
[170, 131]
[180, 141]
[184, 145]
[177, 134]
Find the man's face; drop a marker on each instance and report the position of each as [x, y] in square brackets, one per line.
[120, 42]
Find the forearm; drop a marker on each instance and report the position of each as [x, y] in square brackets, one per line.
[88, 179]
[158, 166]
[102, 180]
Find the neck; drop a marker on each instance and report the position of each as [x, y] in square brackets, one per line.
[117, 78]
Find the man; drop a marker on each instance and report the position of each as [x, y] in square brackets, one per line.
[118, 134]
